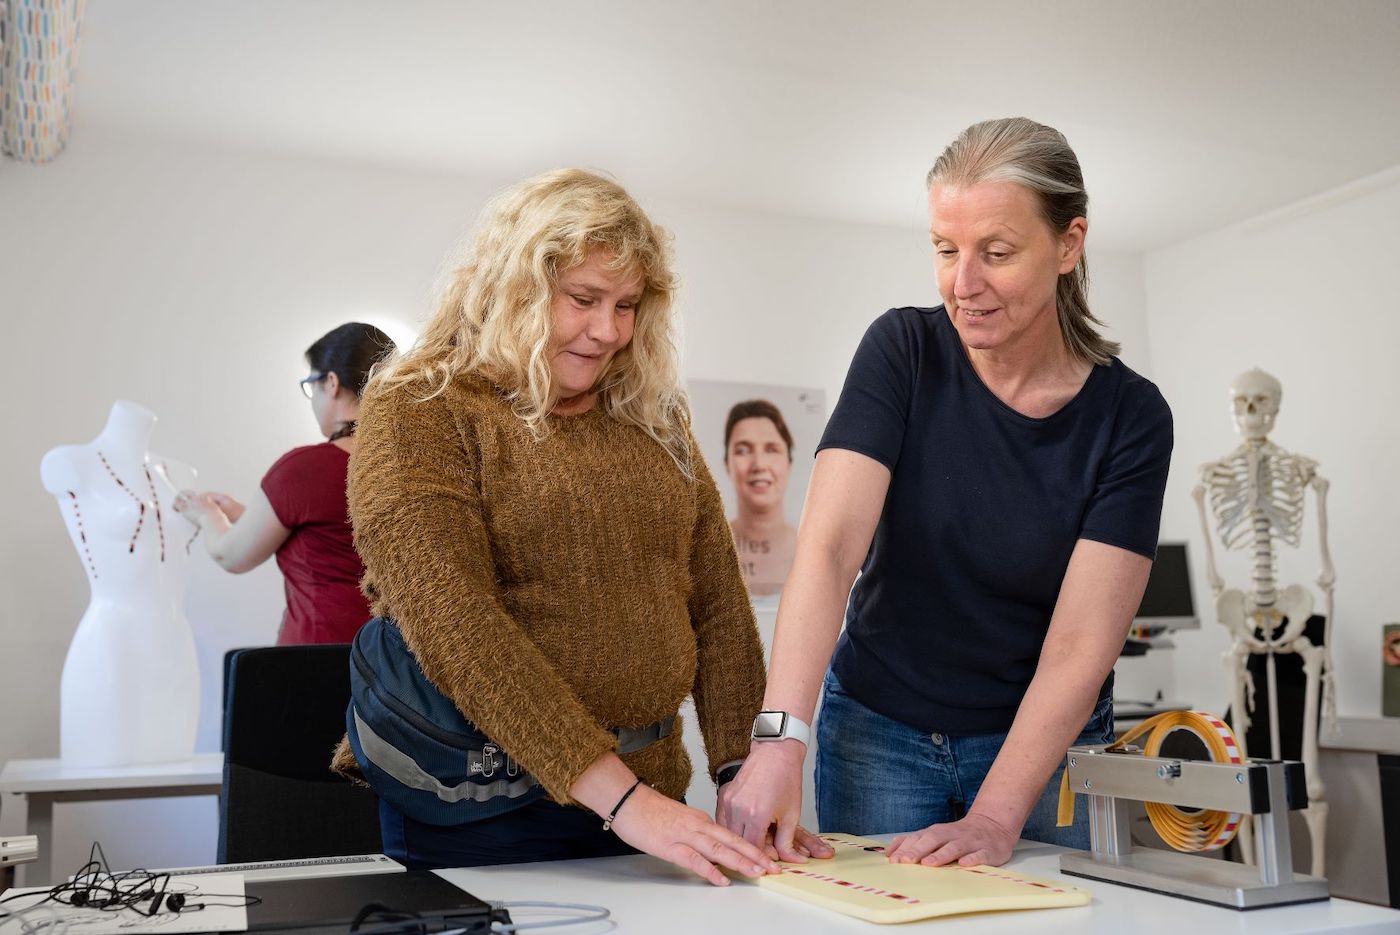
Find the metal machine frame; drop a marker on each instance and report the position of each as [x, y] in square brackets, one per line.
[1268, 789]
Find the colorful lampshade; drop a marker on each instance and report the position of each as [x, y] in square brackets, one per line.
[39, 54]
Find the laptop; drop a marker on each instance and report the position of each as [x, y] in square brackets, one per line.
[330, 904]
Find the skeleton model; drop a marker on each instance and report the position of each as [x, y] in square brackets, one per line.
[1256, 495]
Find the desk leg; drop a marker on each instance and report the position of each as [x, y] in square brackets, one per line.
[40, 872]
[1388, 767]
[14, 821]
[14, 811]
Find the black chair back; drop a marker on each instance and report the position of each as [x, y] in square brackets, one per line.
[284, 714]
[228, 684]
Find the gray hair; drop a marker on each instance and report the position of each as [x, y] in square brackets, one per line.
[1038, 158]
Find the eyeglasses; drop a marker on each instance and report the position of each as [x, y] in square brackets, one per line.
[306, 383]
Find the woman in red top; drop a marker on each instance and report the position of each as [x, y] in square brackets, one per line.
[300, 514]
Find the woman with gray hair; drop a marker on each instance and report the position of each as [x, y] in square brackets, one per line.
[996, 475]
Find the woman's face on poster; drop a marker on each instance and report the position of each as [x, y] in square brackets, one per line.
[759, 463]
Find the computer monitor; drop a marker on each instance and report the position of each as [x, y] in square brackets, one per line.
[1167, 602]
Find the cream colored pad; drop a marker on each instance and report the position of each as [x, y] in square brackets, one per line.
[859, 882]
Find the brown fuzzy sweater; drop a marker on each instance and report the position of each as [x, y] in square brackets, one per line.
[558, 587]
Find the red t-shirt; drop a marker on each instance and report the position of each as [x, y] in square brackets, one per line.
[322, 571]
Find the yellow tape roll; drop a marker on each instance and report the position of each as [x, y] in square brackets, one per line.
[1182, 828]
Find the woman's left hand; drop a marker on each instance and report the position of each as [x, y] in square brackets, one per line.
[973, 840]
[804, 843]
[230, 507]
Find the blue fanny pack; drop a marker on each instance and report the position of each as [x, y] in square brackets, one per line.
[418, 751]
[421, 755]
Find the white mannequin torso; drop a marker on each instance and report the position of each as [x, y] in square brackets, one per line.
[130, 690]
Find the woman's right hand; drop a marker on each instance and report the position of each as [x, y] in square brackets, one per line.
[687, 837]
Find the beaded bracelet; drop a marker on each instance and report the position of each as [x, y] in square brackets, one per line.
[607, 822]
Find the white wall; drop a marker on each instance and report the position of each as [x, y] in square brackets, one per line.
[1117, 298]
[1308, 295]
[191, 279]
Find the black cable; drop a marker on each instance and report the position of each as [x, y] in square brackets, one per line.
[382, 915]
[95, 886]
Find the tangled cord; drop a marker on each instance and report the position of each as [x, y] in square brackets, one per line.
[98, 888]
[95, 887]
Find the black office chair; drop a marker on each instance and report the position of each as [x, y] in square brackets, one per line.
[228, 684]
[1292, 684]
[1292, 689]
[284, 714]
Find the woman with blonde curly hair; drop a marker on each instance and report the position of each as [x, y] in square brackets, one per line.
[546, 551]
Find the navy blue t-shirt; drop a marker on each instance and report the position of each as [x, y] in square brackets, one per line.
[946, 621]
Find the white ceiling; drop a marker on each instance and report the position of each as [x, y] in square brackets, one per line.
[1187, 114]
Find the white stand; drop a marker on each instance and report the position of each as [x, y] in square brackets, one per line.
[130, 688]
[1256, 496]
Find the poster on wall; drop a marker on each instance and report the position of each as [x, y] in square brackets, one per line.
[759, 441]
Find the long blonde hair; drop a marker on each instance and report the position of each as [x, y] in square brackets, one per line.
[1038, 158]
[494, 316]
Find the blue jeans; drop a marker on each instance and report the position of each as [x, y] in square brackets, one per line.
[876, 775]
[542, 830]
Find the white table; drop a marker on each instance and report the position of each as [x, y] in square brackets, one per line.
[647, 895]
[29, 789]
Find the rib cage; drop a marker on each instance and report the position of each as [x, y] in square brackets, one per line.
[1256, 494]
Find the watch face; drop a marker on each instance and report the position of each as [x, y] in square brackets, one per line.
[769, 723]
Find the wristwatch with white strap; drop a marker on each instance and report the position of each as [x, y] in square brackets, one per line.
[780, 725]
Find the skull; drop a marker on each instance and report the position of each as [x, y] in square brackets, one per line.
[1255, 400]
